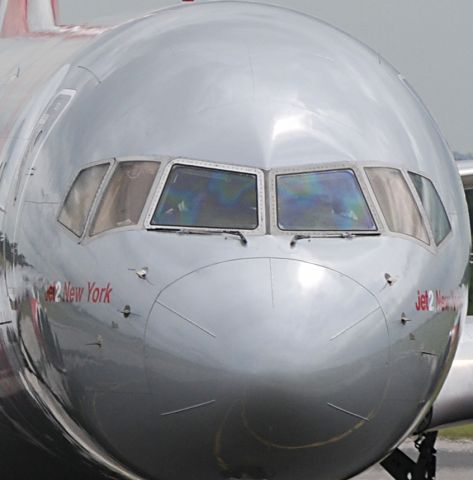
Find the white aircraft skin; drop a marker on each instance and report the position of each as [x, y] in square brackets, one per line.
[265, 352]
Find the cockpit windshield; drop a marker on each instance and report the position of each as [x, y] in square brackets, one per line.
[208, 198]
[322, 201]
[194, 196]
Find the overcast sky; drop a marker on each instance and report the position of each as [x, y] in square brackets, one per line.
[429, 41]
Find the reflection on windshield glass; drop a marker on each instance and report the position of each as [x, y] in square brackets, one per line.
[397, 203]
[80, 198]
[433, 206]
[208, 198]
[328, 200]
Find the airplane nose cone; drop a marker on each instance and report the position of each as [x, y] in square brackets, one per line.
[286, 355]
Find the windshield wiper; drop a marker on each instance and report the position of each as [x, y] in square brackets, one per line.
[186, 231]
[347, 235]
[238, 234]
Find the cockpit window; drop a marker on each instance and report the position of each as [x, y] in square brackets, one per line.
[76, 207]
[433, 206]
[325, 201]
[208, 198]
[397, 203]
[124, 199]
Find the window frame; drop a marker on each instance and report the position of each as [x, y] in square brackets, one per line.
[39, 133]
[95, 209]
[166, 170]
[139, 225]
[423, 209]
[70, 184]
[315, 168]
[431, 246]
[112, 166]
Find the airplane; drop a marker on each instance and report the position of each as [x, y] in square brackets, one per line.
[235, 244]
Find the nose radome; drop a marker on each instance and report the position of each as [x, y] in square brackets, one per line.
[304, 348]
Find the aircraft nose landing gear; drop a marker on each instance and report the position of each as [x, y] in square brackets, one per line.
[402, 467]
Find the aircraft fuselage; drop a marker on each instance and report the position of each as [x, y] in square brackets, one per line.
[167, 348]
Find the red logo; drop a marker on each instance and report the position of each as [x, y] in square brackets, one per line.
[70, 293]
[430, 301]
